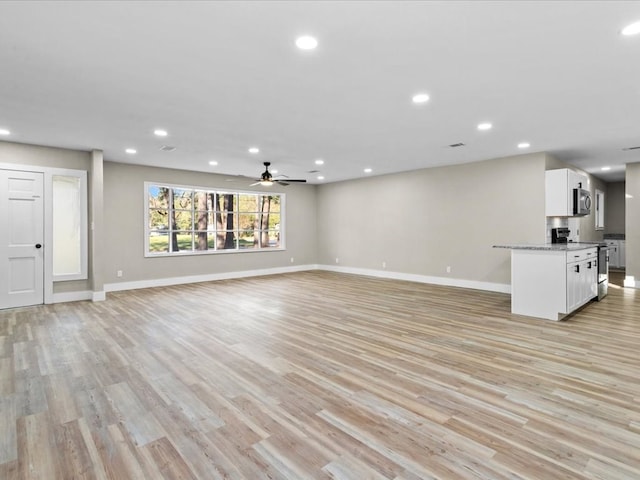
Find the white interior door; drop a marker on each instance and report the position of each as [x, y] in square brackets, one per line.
[21, 238]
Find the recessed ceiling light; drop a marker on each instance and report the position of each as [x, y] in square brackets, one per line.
[213, 163]
[254, 150]
[420, 98]
[484, 126]
[605, 169]
[632, 29]
[4, 131]
[131, 151]
[367, 170]
[524, 145]
[320, 177]
[160, 133]
[319, 162]
[306, 42]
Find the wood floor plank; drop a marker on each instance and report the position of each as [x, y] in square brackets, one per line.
[8, 434]
[37, 455]
[139, 422]
[319, 375]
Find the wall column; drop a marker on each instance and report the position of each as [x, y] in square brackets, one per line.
[96, 225]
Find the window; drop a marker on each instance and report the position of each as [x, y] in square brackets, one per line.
[194, 220]
[599, 210]
[69, 225]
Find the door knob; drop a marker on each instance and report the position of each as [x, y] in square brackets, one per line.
[38, 245]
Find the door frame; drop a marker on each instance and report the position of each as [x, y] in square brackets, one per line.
[48, 173]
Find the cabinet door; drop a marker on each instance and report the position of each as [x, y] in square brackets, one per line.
[574, 286]
[590, 285]
[577, 180]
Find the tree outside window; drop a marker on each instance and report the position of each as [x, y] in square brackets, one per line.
[192, 219]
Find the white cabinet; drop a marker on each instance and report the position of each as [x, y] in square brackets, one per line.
[559, 185]
[617, 253]
[551, 283]
[582, 279]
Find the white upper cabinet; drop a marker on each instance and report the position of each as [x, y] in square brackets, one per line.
[559, 186]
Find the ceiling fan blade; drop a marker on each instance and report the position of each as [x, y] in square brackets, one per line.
[297, 181]
[280, 182]
[254, 184]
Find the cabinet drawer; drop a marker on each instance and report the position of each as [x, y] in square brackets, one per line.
[580, 255]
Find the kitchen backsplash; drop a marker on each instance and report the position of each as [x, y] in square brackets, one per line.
[573, 224]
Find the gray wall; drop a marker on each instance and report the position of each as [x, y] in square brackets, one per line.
[614, 208]
[416, 222]
[632, 216]
[22, 154]
[420, 222]
[588, 232]
[124, 227]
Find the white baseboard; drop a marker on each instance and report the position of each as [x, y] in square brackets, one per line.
[99, 296]
[630, 281]
[411, 277]
[165, 282]
[71, 296]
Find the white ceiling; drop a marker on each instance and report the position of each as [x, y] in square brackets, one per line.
[224, 76]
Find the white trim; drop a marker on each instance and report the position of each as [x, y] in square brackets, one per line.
[48, 172]
[411, 277]
[165, 282]
[630, 281]
[64, 297]
[220, 191]
[83, 274]
[100, 296]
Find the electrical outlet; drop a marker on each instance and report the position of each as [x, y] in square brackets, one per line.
[337, 260]
[448, 269]
[291, 259]
[384, 264]
[119, 273]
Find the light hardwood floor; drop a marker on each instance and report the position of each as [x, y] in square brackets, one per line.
[319, 375]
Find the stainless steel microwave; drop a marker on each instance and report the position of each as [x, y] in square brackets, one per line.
[581, 201]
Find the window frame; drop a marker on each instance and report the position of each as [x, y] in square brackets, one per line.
[238, 229]
[83, 273]
[599, 210]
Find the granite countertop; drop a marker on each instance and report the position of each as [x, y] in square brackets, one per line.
[555, 247]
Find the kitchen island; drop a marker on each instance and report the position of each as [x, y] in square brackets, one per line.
[552, 280]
